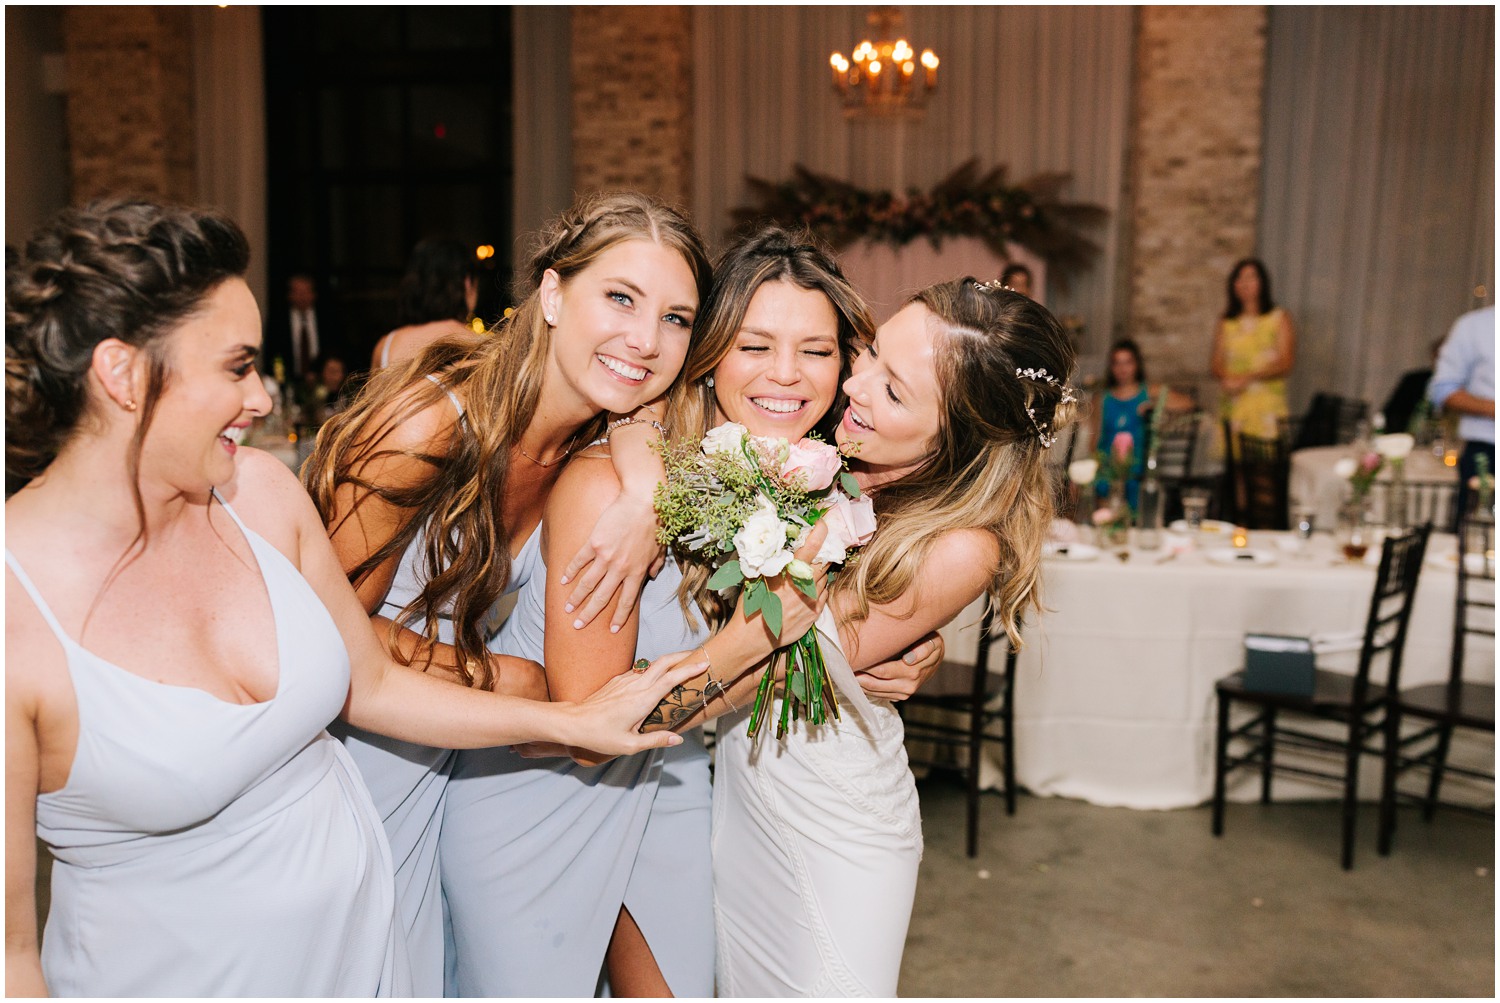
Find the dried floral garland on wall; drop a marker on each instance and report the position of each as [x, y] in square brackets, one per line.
[964, 204]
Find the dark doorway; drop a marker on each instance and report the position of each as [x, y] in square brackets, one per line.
[385, 125]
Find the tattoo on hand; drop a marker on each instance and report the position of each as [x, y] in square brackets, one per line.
[679, 705]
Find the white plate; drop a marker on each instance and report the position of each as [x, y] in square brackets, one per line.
[1070, 551]
[1207, 526]
[1236, 556]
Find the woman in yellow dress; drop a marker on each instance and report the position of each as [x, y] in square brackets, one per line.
[1254, 347]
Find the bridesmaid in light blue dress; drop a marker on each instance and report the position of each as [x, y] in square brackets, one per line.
[472, 436]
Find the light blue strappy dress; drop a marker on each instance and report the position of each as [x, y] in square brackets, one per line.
[538, 855]
[205, 848]
[409, 782]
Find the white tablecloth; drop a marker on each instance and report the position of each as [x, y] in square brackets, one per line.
[1314, 483]
[1115, 686]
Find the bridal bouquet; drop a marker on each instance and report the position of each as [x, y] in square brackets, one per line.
[742, 504]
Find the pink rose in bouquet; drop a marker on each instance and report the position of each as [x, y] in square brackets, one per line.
[1123, 447]
[818, 462]
[851, 523]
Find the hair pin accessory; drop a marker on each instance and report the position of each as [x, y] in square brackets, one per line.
[1042, 427]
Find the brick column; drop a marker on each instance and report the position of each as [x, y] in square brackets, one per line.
[130, 101]
[633, 100]
[1196, 139]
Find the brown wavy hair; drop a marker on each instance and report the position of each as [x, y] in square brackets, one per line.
[987, 470]
[465, 549]
[771, 254]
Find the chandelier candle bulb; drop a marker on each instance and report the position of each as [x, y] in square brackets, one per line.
[883, 80]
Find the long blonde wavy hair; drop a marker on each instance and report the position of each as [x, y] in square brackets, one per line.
[465, 549]
[987, 467]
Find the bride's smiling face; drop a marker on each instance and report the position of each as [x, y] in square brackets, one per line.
[891, 423]
[781, 373]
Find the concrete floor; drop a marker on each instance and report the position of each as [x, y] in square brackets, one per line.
[1066, 899]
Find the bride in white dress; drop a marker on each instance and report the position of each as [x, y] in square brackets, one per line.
[817, 838]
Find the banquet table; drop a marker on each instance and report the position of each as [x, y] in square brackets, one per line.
[280, 442]
[1314, 483]
[1114, 693]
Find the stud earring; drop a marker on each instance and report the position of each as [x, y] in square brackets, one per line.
[709, 382]
[129, 404]
[550, 319]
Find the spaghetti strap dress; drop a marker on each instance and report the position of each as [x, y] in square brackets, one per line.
[409, 781]
[204, 848]
[538, 855]
[816, 843]
[409, 784]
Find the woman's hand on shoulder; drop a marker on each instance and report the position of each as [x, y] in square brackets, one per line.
[620, 554]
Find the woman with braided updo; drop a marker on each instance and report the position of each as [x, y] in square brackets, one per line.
[179, 633]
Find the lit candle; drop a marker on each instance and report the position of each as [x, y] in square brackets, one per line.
[930, 62]
[1241, 538]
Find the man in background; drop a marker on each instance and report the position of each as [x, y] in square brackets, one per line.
[300, 335]
[1017, 277]
[1464, 382]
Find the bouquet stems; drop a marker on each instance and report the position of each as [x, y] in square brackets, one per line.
[809, 693]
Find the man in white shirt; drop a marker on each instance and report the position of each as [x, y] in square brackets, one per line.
[1464, 382]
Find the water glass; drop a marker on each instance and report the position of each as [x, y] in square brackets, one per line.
[1194, 505]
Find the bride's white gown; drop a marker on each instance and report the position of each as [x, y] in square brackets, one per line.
[816, 841]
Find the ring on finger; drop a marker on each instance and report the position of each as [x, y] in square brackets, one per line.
[641, 665]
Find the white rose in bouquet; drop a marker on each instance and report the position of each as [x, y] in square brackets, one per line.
[726, 438]
[1345, 467]
[762, 545]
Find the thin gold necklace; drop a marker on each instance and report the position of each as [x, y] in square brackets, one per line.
[555, 460]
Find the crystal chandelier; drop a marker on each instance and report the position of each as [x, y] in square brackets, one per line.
[885, 77]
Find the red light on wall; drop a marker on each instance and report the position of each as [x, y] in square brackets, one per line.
[440, 131]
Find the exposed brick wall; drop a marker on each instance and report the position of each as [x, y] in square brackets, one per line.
[633, 100]
[1196, 142]
[130, 105]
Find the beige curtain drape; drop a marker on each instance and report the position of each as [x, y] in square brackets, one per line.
[1035, 88]
[541, 126]
[229, 125]
[1378, 199]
